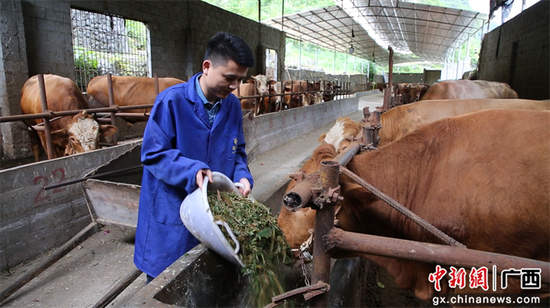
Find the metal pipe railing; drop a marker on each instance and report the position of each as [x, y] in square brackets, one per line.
[338, 239]
[52, 114]
[44, 102]
[111, 103]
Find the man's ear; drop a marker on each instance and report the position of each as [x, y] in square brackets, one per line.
[206, 65]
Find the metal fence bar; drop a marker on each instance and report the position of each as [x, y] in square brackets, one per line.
[44, 102]
[111, 103]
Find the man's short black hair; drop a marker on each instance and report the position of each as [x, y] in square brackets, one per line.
[224, 46]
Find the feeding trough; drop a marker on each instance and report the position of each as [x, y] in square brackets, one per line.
[197, 216]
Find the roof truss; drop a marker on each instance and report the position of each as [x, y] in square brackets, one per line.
[414, 31]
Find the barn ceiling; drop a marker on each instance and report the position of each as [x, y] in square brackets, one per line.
[416, 32]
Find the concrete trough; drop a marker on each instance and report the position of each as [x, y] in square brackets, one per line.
[201, 278]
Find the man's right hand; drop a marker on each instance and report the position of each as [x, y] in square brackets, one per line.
[200, 177]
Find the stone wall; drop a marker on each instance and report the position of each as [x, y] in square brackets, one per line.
[13, 74]
[518, 53]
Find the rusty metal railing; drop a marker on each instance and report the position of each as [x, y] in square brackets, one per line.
[339, 91]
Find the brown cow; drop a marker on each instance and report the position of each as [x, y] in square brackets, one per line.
[127, 91]
[401, 120]
[482, 178]
[380, 86]
[297, 224]
[327, 89]
[343, 129]
[469, 89]
[262, 88]
[406, 93]
[70, 134]
[274, 102]
[301, 93]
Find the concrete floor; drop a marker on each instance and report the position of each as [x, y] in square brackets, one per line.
[83, 276]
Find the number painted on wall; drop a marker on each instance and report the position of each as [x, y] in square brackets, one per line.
[57, 176]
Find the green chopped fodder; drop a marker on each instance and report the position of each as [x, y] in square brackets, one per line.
[263, 245]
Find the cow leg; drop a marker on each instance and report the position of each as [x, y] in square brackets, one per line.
[35, 144]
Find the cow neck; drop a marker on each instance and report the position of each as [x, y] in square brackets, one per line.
[393, 171]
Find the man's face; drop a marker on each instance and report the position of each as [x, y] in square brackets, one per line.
[218, 81]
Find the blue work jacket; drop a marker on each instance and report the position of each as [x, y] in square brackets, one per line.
[179, 141]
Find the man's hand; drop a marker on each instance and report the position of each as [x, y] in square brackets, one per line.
[246, 190]
[201, 174]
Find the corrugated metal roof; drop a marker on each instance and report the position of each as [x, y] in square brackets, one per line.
[416, 32]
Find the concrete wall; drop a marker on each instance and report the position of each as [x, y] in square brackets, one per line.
[407, 78]
[40, 36]
[271, 130]
[35, 220]
[518, 53]
[13, 73]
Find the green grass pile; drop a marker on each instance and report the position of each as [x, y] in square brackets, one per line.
[263, 247]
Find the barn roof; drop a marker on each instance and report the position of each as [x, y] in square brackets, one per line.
[416, 32]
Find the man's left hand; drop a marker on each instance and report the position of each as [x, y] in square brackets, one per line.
[246, 190]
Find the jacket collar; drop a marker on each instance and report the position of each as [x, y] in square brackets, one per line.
[199, 108]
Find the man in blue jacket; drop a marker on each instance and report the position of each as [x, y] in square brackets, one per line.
[194, 128]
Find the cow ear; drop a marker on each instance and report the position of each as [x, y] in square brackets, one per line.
[322, 137]
[60, 137]
[107, 130]
[250, 80]
[272, 82]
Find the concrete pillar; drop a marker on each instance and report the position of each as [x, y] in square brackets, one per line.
[13, 74]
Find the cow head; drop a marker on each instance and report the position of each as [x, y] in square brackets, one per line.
[263, 83]
[296, 226]
[344, 129]
[81, 134]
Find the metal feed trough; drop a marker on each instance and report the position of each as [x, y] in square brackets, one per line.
[110, 203]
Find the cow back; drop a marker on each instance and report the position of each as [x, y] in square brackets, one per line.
[402, 120]
[469, 89]
[127, 90]
[62, 94]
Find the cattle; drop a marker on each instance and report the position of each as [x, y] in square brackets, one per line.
[70, 134]
[482, 178]
[127, 91]
[380, 86]
[406, 93]
[301, 93]
[259, 85]
[273, 102]
[401, 120]
[294, 223]
[327, 89]
[469, 89]
[344, 128]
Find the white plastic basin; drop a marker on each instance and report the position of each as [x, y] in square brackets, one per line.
[197, 217]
